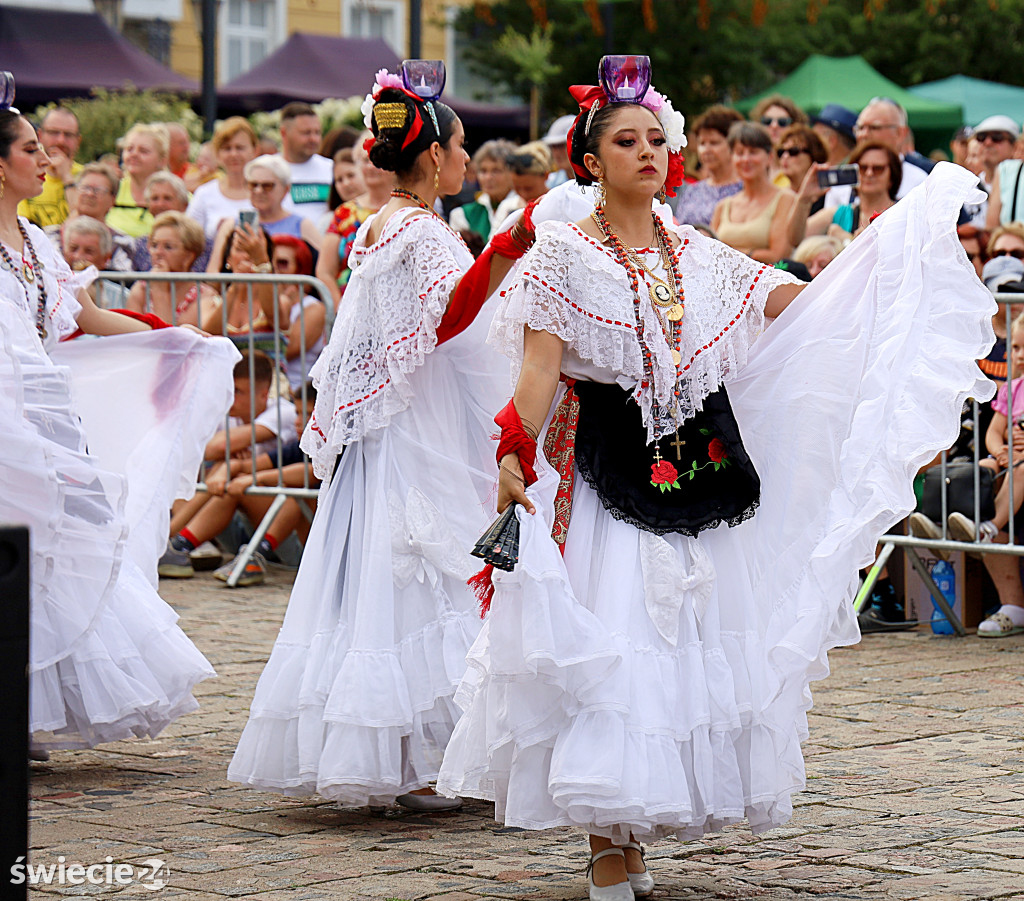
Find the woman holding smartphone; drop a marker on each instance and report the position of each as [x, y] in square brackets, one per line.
[880, 173]
[269, 179]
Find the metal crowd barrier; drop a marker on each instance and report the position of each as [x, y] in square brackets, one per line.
[912, 543]
[272, 343]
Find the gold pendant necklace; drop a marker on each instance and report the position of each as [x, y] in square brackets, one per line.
[661, 294]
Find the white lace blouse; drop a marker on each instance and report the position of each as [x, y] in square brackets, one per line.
[386, 326]
[572, 286]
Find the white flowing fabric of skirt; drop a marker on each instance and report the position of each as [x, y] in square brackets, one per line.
[108, 660]
[355, 702]
[660, 686]
[149, 403]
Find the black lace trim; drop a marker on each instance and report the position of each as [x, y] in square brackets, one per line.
[691, 532]
[705, 476]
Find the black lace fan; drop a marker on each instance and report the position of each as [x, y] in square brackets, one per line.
[499, 545]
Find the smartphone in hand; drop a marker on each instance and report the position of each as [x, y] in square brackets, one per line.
[250, 217]
[846, 174]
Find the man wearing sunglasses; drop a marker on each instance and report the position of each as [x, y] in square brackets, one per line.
[1001, 173]
[996, 135]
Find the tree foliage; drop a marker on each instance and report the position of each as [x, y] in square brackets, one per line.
[720, 50]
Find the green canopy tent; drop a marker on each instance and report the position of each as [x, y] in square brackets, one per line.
[978, 98]
[851, 82]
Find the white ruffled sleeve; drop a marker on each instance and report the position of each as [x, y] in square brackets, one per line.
[553, 289]
[729, 290]
[386, 326]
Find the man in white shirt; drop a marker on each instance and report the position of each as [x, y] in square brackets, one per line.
[312, 174]
[885, 121]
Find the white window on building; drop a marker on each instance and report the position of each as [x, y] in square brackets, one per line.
[249, 30]
[376, 19]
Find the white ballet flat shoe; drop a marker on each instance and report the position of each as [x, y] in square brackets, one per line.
[621, 891]
[641, 883]
[428, 802]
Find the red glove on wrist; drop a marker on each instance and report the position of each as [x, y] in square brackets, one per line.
[516, 440]
[153, 321]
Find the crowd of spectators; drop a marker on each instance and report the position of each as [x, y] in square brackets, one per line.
[292, 204]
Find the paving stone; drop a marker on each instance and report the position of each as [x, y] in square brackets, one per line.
[915, 790]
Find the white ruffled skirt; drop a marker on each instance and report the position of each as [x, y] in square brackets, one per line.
[660, 686]
[355, 703]
[108, 660]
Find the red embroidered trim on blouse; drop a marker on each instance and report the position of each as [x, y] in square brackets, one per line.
[729, 324]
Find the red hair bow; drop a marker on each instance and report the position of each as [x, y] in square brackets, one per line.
[586, 95]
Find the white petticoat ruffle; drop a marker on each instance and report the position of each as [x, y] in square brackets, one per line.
[108, 660]
[580, 711]
[355, 703]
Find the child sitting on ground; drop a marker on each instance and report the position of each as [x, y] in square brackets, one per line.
[255, 422]
[228, 495]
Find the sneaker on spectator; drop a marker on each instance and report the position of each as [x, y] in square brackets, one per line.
[961, 528]
[206, 556]
[254, 573]
[923, 527]
[175, 564]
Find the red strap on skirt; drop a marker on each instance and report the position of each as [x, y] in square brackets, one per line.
[560, 452]
[153, 321]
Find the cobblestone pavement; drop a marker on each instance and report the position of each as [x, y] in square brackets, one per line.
[915, 790]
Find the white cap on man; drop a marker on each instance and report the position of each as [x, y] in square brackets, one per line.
[997, 123]
[559, 130]
[1000, 271]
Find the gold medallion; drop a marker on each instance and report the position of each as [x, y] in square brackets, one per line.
[28, 274]
[677, 357]
[661, 295]
[675, 312]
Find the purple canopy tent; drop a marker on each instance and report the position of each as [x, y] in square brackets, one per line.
[311, 67]
[57, 54]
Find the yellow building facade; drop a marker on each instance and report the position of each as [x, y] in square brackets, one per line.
[250, 30]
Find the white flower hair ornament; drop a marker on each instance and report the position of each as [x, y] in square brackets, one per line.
[672, 121]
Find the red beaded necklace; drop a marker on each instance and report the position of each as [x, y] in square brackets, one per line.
[671, 324]
[422, 204]
[415, 198]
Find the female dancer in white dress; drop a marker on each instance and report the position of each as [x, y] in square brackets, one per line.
[355, 702]
[652, 679]
[108, 660]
